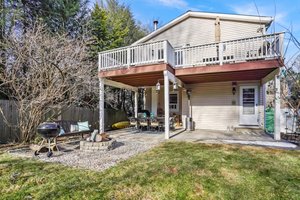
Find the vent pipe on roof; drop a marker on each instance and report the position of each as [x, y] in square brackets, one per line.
[155, 23]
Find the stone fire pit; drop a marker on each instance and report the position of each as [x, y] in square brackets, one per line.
[97, 142]
[97, 146]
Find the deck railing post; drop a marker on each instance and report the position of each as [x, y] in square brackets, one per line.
[128, 56]
[99, 62]
[281, 40]
[165, 51]
[221, 53]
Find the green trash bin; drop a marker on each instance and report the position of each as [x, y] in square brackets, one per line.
[270, 120]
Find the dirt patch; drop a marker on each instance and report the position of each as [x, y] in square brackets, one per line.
[199, 191]
[203, 172]
[230, 175]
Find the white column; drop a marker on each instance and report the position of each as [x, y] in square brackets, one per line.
[264, 104]
[136, 93]
[167, 113]
[154, 101]
[101, 105]
[277, 108]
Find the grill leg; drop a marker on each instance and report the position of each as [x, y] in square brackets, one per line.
[37, 152]
[49, 154]
[49, 144]
[55, 144]
[42, 143]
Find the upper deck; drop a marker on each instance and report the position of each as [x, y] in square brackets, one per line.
[263, 47]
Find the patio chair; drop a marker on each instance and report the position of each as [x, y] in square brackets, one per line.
[143, 122]
[154, 124]
[172, 124]
[133, 123]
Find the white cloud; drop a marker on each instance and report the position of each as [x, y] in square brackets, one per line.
[262, 10]
[174, 3]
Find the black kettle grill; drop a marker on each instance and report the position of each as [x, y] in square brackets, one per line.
[49, 131]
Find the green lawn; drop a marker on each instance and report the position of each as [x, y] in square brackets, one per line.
[174, 170]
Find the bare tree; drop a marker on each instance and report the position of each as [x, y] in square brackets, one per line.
[43, 74]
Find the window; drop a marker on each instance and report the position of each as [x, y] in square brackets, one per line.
[174, 106]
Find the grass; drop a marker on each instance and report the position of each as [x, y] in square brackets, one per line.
[174, 170]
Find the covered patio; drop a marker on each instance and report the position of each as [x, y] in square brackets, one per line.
[203, 83]
[142, 77]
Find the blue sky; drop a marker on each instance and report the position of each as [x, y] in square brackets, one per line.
[285, 12]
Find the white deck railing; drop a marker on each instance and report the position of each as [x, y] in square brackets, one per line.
[261, 47]
[148, 53]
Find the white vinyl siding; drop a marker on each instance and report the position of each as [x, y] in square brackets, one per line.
[192, 31]
[212, 105]
[197, 31]
[231, 30]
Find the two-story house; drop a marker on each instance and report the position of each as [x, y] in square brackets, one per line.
[211, 68]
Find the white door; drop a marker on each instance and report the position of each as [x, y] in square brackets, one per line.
[248, 105]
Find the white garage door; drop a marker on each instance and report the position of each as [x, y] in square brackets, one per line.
[213, 106]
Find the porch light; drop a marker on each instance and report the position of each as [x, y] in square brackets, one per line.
[234, 88]
[157, 86]
[188, 93]
[175, 86]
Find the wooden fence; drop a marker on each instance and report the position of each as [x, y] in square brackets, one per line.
[11, 133]
[8, 133]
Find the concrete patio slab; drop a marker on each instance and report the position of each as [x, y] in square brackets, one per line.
[245, 137]
[129, 134]
[200, 135]
[248, 137]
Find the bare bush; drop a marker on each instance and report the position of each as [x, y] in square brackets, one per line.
[44, 73]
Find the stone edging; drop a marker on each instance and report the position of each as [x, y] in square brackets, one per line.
[97, 146]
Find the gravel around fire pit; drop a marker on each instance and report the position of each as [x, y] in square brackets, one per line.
[98, 160]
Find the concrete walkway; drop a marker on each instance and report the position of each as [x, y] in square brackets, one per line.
[201, 135]
[246, 137]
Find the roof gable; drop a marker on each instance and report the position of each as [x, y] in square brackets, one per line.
[231, 17]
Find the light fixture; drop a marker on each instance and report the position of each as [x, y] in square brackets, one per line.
[188, 93]
[175, 86]
[157, 88]
[234, 88]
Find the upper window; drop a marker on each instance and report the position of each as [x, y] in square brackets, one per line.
[174, 102]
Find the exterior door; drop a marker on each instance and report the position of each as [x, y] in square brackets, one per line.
[248, 105]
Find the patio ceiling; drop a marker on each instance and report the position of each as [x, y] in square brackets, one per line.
[140, 76]
[139, 80]
[227, 76]
[148, 75]
[254, 70]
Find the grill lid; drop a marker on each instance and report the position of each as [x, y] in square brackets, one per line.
[48, 125]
